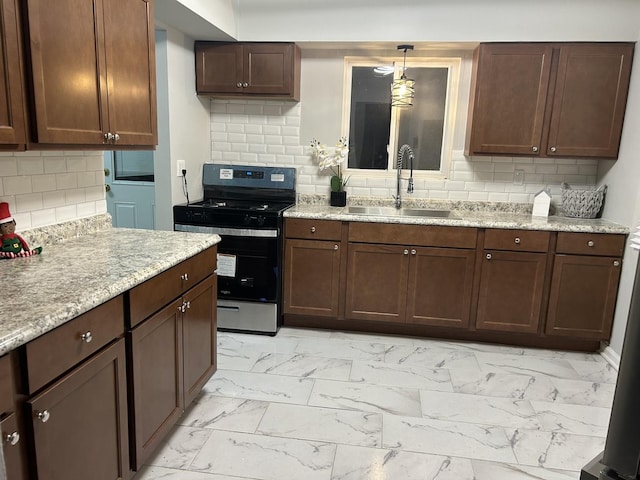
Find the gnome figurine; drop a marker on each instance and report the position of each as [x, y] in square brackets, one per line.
[13, 245]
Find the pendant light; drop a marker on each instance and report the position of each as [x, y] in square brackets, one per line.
[402, 90]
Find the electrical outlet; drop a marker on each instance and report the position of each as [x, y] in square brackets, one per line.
[518, 177]
[181, 166]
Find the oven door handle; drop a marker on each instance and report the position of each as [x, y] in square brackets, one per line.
[236, 232]
[230, 308]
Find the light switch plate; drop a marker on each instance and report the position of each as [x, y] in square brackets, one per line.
[181, 166]
[518, 177]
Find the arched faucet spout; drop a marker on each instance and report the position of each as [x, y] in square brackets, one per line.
[404, 150]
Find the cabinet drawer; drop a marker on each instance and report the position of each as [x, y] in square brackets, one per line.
[313, 229]
[155, 293]
[419, 235]
[58, 350]
[6, 385]
[517, 240]
[590, 244]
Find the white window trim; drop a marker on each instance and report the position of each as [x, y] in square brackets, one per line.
[453, 64]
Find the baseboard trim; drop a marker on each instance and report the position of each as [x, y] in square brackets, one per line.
[611, 356]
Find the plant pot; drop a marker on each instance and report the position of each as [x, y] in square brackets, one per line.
[338, 199]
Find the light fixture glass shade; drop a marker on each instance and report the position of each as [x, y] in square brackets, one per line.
[402, 92]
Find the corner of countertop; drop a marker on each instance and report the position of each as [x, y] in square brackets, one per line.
[61, 232]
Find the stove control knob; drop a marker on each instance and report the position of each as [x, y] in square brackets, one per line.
[260, 220]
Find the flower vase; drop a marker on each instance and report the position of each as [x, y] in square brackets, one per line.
[338, 199]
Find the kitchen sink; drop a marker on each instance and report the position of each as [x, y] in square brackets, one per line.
[400, 212]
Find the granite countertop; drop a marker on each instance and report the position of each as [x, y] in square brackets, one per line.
[70, 278]
[465, 216]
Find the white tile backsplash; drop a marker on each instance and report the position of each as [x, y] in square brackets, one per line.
[45, 188]
[264, 132]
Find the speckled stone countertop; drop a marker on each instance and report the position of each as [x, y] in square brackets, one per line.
[465, 214]
[71, 277]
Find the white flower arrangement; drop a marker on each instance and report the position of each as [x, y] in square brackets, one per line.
[332, 160]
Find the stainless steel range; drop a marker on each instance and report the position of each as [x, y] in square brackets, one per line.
[244, 205]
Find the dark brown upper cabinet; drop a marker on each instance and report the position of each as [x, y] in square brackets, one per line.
[267, 70]
[12, 106]
[548, 99]
[93, 69]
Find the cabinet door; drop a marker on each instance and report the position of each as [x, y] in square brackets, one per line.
[311, 277]
[218, 68]
[583, 296]
[82, 431]
[377, 278]
[131, 71]
[268, 68]
[156, 356]
[199, 337]
[511, 288]
[511, 84]
[440, 284]
[12, 440]
[68, 71]
[12, 121]
[589, 100]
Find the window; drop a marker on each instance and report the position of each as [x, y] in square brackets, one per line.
[376, 131]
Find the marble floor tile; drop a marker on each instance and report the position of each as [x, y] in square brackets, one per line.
[484, 442]
[460, 407]
[261, 343]
[304, 332]
[529, 387]
[428, 357]
[162, 473]
[264, 458]
[180, 448]
[600, 372]
[322, 424]
[410, 376]
[338, 348]
[554, 450]
[374, 338]
[235, 359]
[505, 363]
[578, 419]
[366, 398]
[302, 365]
[360, 463]
[224, 413]
[259, 386]
[503, 471]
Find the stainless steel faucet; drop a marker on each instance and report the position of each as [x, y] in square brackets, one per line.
[404, 149]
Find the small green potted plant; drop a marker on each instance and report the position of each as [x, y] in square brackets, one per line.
[332, 161]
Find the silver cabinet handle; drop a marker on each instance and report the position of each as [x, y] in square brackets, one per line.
[108, 137]
[184, 276]
[313, 229]
[413, 251]
[553, 149]
[12, 438]
[188, 305]
[86, 337]
[43, 416]
[516, 240]
[406, 252]
[245, 84]
[335, 247]
[616, 263]
[239, 84]
[534, 148]
[590, 243]
[488, 256]
[116, 137]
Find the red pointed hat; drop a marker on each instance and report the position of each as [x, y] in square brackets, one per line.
[5, 214]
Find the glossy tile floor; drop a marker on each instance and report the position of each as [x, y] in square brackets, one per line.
[319, 405]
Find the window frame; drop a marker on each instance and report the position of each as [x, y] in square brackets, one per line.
[452, 64]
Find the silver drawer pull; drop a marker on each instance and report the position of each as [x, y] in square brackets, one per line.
[184, 276]
[413, 251]
[590, 243]
[517, 240]
[313, 229]
[43, 416]
[12, 438]
[86, 337]
[406, 252]
[488, 256]
[616, 263]
[534, 148]
[335, 247]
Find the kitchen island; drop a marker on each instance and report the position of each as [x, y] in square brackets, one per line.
[460, 270]
[111, 334]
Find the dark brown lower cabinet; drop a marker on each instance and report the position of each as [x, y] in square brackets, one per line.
[311, 277]
[173, 354]
[79, 423]
[583, 296]
[12, 439]
[511, 291]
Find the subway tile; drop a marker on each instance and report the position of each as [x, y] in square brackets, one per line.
[17, 185]
[30, 165]
[43, 183]
[27, 202]
[8, 166]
